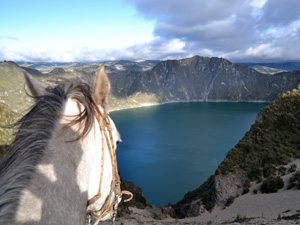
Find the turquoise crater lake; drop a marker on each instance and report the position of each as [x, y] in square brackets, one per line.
[171, 149]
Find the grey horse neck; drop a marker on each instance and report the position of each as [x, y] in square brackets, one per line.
[31, 143]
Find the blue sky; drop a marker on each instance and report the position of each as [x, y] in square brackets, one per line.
[98, 30]
[71, 22]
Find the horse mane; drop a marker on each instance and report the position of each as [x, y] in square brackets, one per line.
[32, 138]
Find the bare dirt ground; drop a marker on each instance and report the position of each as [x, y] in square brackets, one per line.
[282, 208]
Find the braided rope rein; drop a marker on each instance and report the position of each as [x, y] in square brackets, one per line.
[115, 183]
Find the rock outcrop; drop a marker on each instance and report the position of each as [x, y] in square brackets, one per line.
[138, 199]
[229, 185]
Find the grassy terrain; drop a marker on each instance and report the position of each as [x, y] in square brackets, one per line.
[267, 70]
[7, 118]
[136, 100]
[10, 76]
[288, 66]
[12, 88]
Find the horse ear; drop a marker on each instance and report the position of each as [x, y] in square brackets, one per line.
[35, 88]
[101, 87]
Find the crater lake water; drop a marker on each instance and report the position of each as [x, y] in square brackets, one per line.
[170, 149]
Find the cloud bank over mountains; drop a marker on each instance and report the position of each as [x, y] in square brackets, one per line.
[248, 30]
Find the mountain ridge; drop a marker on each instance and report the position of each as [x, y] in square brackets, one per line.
[204, 79]
[191, 79]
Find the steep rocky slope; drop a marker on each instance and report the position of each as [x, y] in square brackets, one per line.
[262, 156]
[203, 79]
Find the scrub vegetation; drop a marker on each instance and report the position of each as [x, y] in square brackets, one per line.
[272, 141]
[7, 118]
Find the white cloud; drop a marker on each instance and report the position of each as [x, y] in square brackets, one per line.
[264, 51]
[258, 3]
[240, 30]
[248, 30]
[8, 37]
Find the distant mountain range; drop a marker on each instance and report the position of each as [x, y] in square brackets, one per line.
[143, 65]
[90, 67]
[203, 79]
[152, 82]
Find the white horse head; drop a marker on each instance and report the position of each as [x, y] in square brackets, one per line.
[62, 164]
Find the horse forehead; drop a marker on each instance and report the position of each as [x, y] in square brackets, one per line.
[74, 107]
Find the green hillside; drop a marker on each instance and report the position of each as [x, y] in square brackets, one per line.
[287, 66]
[267, 70]
[12, 86]
[10, 76]
[272, 141]
[7, 118]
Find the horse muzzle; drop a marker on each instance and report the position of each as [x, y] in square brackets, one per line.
[108, 209]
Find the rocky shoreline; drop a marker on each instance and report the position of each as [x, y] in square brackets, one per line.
[149, 104]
